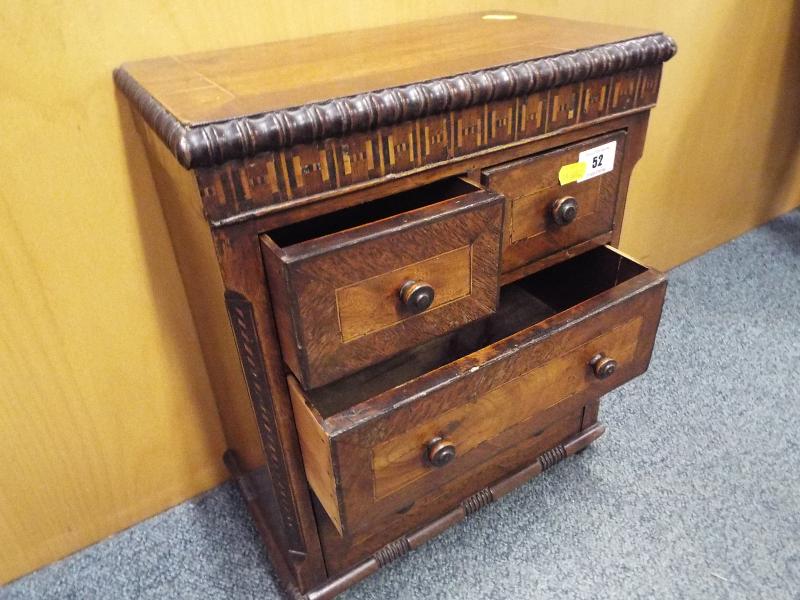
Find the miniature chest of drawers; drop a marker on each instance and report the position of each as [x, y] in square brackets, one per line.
[397, 245]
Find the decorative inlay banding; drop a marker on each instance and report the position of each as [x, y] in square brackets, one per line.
[215, 143]
[240, 312]
[272, 178]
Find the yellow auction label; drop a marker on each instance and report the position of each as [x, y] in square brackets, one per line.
[572, 172]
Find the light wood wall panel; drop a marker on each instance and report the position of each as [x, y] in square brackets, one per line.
[106, 412]
[723, 149]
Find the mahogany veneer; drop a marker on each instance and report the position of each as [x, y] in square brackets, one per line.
[485, 386]
[409, 232]
[336, 291]
[531, 187]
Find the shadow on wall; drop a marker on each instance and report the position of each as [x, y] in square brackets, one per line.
[780, 175]
[163, 274]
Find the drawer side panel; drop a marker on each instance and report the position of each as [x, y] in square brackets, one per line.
[315, 446]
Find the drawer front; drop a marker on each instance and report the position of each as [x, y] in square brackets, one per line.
[538, 220]
[494, 416]
[558, 425]
[354, 298]
[380, 456]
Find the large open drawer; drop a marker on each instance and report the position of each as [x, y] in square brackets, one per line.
[377, 440]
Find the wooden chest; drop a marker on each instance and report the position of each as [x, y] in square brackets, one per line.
[409, 232]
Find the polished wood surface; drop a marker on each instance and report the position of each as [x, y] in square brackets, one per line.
[115, 224]
[248, 407]
[520, 400]
[219, 85]
[313, 177]
[555, 425]
[197, 262]
[484, 401]
[359, 245]
[340, 293]
[634, 123]
[381, 301]
[491, 105]
[341, 234]
[531, 187]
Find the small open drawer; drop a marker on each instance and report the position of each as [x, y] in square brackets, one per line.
[374, 442]
[359, 285]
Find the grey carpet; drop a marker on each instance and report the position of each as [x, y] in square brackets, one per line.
[694, 492]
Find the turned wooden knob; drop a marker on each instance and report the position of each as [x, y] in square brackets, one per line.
[440, 451]
[603, 366]
[416, 295]
[564, 210]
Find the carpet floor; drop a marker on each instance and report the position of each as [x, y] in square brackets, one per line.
[694, 491]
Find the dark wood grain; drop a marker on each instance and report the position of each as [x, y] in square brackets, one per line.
[278, 215]
[327, 286]
[607, 304]
[531, 186]
[358, 188]
[512, 58]
[317, 168]
[471, 504]
[431, 512]
[290, 513]
[253, 404]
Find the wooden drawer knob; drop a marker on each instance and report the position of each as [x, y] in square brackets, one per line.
[603, 366]
[564, 210]
[440, 451]
[416, 295]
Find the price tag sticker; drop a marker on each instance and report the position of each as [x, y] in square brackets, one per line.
[571, 172]
[598, 160]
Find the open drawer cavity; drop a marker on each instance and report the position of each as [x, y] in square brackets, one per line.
[376, 440]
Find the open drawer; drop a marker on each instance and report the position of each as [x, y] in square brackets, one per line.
[374, 442]
[361, 284]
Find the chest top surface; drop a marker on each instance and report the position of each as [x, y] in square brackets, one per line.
[211, 107]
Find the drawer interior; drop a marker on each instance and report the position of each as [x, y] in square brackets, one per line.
[362, 214]
[523, 303]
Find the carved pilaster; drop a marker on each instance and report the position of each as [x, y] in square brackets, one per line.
[240, 312]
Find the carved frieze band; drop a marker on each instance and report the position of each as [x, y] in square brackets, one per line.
[244, 186]
[240, 312]
[215, 143]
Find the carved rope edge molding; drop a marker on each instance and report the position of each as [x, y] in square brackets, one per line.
[215, 143]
